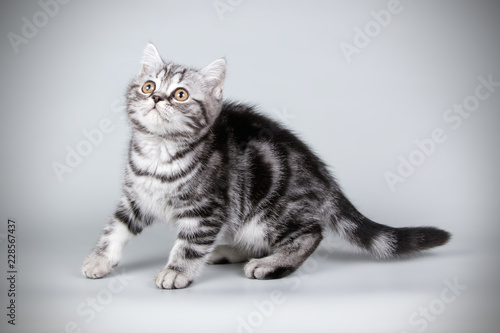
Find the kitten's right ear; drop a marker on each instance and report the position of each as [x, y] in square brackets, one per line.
[151, 59]
[214, 75]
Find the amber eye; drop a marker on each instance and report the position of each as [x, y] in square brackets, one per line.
[180, 94]
[148, 87]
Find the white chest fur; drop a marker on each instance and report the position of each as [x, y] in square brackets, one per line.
[155, 156]
[152, 198]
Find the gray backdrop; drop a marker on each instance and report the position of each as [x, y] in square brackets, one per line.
[368, 84]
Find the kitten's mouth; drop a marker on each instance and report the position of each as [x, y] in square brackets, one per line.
[161, 114]
[154, 110]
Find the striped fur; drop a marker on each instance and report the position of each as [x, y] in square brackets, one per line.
[236, 185]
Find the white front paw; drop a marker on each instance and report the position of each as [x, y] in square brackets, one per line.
[170, 279]
[96, 266]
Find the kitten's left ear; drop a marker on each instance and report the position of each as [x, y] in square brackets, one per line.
[151, 58]
[214, 75]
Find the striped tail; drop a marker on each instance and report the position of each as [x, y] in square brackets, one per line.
[384, 241]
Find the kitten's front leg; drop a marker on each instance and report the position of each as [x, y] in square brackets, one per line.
[108, 250]
[189, 254]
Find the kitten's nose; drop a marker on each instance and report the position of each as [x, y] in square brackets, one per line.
[158, 98]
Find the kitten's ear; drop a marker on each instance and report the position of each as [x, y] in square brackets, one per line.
[151, 58]
[214, 75]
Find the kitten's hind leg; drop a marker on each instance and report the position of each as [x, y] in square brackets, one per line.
[226, 254]
[285, 259]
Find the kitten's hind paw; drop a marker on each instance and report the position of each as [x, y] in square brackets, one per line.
[224, 254]
[96, 266]
[170, 279]
[262, 269]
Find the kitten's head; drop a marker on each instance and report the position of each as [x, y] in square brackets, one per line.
[174, 101]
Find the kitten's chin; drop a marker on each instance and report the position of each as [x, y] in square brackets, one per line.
[154, 111]
[156, 116]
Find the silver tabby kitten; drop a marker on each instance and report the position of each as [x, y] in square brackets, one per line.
[237, 186]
